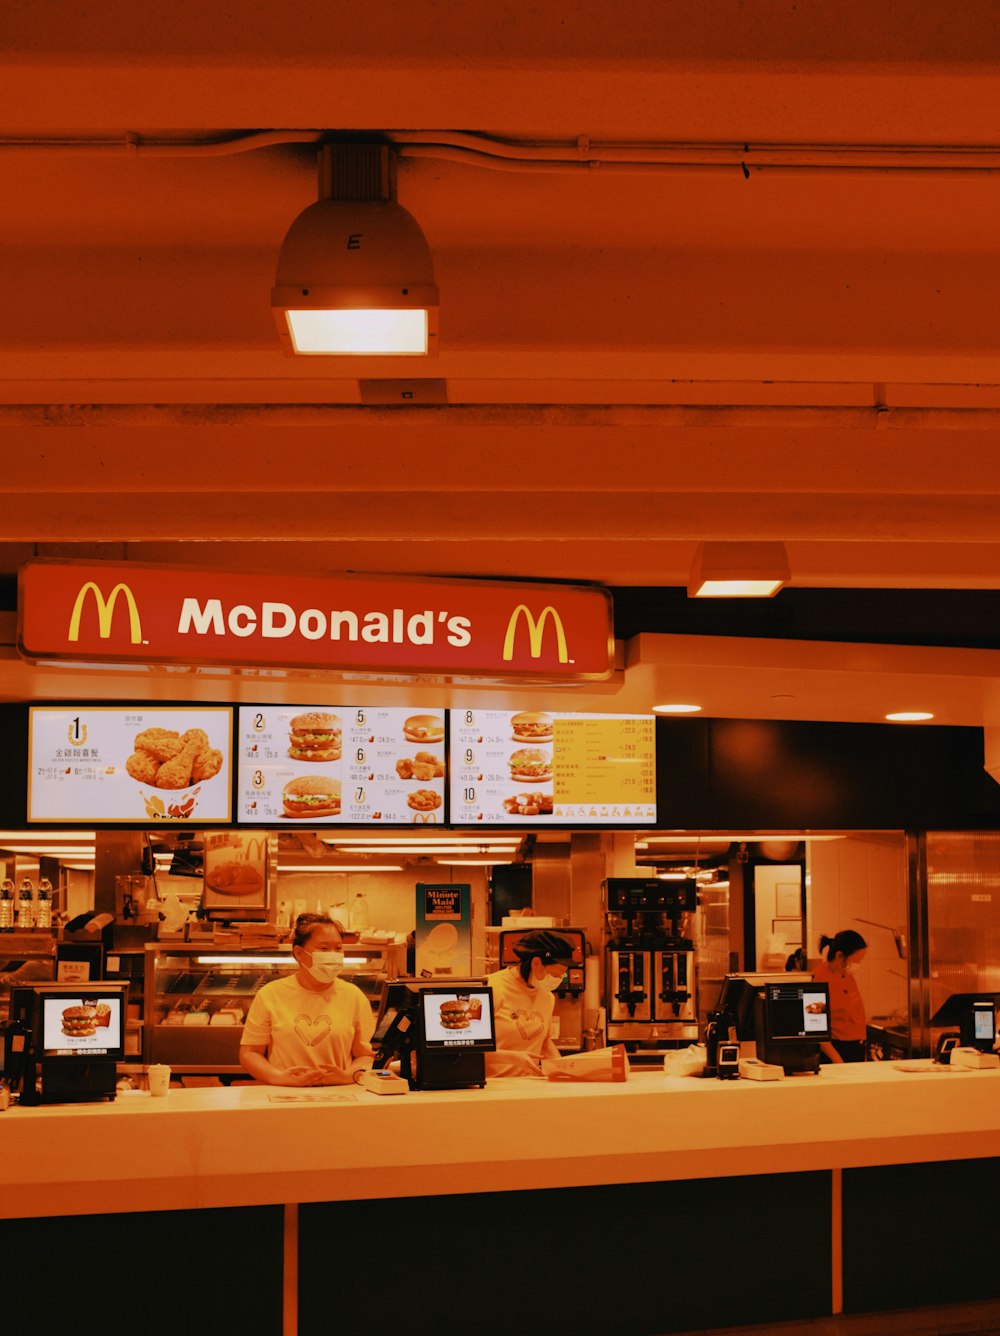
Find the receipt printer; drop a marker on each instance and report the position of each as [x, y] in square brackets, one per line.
[752, 1069]
[383, 1082]
[972, 1060]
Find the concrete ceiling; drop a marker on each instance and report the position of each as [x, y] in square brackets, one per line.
[784, 328]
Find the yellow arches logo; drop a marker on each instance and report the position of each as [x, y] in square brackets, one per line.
[536, 632]
[105, 611]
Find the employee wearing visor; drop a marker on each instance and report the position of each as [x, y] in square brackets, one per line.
[524, 1002]
[848, 1024]
[311, 1027]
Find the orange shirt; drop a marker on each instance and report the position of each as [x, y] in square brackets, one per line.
[847, 1007]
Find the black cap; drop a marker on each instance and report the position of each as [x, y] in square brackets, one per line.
[549, 947]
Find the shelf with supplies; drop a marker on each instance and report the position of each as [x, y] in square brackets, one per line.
[197, 996]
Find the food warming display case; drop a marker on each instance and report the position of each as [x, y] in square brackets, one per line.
[197, 997]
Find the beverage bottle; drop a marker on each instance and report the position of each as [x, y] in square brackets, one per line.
[7, 906]
[360, 918]
[43, 908]
[26, 906]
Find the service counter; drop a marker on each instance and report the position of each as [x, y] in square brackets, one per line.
[781, 1186]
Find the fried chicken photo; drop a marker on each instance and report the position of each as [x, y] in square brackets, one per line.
[142, 767]
[207, 763]
[176, 773]
[163, 744]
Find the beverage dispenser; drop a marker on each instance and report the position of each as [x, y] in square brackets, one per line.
[651, 991]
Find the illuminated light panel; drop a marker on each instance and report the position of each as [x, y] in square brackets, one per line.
[472, 862]
[340, 867]
[909, 717]
[676, 709]
[737, 588]
[364, 331]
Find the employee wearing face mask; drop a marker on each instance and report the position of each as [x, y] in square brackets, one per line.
[844, 954]
[311, 1027]
[523, 1004]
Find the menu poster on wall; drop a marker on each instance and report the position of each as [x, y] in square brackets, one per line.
[443, 935]
[340, 764]
[528, 766]
[142, 763]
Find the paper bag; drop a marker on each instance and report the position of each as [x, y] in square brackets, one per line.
[599, 1064]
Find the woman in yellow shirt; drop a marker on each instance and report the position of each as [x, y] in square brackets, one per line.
[848, 1023]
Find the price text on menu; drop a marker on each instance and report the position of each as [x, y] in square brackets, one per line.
[340, 764]
[526, 766]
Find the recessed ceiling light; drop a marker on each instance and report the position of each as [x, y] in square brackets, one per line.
[909, 717]
[676, 709]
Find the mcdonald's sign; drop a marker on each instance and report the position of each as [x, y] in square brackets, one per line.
[123, 612]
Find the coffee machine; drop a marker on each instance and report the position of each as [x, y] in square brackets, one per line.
[650, 986]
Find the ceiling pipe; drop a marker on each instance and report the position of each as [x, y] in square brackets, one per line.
[580, 154]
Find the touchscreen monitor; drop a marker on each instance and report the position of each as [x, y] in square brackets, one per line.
[797, 1011]
[85, 1024]
[454, 1018]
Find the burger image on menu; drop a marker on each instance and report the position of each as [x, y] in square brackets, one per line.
[423, 728]
[455, 1014]
[530, 763]
[311, 796]
[315, 736]
[531, 726]
[79, 1022]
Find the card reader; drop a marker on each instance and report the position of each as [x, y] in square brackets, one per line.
[972, 1060]
[755, 1070]
[383, 1082]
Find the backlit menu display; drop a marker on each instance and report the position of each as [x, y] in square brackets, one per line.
[141, 763]
[524, 767]
[340, 764]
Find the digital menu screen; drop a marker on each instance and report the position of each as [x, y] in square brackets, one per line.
[340, 764]
[142, 763]
[458, 1020]
[526, 766]
[82, 1026]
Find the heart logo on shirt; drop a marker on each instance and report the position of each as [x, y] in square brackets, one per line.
[312, 1032]
[529, 1023]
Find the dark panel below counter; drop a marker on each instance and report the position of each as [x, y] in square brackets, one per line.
[920, 1234]
[633, 1259]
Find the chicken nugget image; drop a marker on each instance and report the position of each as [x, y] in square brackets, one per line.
[195, 735]
[207, 764]
[142, 767]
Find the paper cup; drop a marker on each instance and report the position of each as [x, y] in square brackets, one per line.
[159, 1079]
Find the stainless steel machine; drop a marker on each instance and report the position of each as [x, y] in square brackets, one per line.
[650, 982]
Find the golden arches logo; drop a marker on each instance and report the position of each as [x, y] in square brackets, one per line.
[536, 632]
[105, 611]
[424, 819]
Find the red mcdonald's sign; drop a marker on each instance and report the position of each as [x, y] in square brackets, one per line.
[131, 613]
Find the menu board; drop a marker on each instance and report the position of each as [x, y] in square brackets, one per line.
[142, 763]
[340, 764]
[528, 766]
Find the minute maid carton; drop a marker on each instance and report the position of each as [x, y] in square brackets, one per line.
[443, 945]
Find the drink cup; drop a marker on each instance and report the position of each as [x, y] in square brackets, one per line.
[159, 1079]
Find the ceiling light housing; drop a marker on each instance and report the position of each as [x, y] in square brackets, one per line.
[738, 570]
[355, 275]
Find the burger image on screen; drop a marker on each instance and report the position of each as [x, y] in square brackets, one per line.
[530, 763]
[531, 726]
[79, 1022]
[311, 796]
[315, 736]
[423, 728]
[455, 1014]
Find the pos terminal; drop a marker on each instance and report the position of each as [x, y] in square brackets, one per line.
[63, 1041]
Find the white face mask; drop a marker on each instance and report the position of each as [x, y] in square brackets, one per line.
[549, 982]
[851, 967]
[326, 965]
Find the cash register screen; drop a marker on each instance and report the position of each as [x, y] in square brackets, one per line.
[85, 1026]
[458, 1019]
[983, 1021]
[797, 1011]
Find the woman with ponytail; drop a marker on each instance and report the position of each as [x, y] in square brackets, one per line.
[848, 1024]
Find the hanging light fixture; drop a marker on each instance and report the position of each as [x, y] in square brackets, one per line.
[355, 275]
[738, 570]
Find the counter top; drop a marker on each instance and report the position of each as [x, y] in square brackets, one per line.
[252, 1145]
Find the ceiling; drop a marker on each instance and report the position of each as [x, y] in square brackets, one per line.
[777, 321]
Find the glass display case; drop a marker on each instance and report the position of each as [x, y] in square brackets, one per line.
[197, 997]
